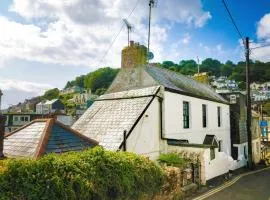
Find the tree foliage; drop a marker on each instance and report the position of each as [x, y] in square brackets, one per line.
[51, 94]
[98, 80]
[259, 71]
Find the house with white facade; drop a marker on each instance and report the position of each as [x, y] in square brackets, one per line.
[150, 110]
[50, 106]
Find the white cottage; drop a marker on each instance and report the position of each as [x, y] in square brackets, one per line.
[160, 111]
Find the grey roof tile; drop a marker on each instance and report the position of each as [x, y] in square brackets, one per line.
[181, 83]
[106, 120]
[55, 137]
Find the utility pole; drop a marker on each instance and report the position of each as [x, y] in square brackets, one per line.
[198, 61]
[249, 134]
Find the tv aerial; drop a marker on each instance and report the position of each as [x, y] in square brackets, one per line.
[129, 28]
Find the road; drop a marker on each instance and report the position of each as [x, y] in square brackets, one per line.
[251, 187]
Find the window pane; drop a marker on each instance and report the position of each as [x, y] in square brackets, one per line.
[219, 116]
[186, 114]
[204, 117]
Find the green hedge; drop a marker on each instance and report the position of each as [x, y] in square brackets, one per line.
[91, 174]
[172, 159]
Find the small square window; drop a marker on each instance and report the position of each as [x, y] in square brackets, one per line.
[232, 99]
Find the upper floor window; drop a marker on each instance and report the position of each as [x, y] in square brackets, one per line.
[204, 115]
[219, 116]
[186, 114]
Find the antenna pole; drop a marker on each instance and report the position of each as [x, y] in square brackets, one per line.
[198, 61]
[151, 3]
[128, 37]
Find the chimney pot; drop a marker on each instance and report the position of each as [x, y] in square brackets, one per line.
[131, 43]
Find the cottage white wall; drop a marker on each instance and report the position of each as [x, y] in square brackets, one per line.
[145, 137]
[173, 127]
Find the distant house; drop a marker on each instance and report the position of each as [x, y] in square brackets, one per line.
[43, 136]
[16, 120]
[50, 106]
[73, 89]
[239, 138]
[161, 111]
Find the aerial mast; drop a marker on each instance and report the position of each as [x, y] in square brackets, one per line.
[152, 4]
[129, 28]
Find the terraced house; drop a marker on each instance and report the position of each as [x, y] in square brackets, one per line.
[150, 110]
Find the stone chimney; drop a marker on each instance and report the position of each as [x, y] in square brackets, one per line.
[2, 129]
[135, 55]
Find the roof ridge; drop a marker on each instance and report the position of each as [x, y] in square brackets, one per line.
[44, 138]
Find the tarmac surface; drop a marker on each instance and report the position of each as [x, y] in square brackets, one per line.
[251, 187]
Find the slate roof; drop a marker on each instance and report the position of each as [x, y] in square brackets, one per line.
[186, 85]
[44, 136]
[210, 140]
[111, 114]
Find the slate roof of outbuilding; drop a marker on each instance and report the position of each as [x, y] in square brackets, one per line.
[113, 113]
[44, 136]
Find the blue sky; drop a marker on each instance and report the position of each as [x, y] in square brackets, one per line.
[43, 44]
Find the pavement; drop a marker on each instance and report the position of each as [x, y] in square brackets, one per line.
[248, 186]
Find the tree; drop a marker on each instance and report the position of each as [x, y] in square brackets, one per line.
[51, 94]
[211, 66]
[266, 108]
[167, 64]
[188, 67]
[101, 78]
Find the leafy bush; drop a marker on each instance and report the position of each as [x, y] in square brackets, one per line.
[171, 159]
[92, 174]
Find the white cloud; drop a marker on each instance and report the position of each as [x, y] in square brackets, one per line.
[78, 32]
[25, 86]
[263, 29]
[263, 33]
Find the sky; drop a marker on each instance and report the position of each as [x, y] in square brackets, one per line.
[45, 43]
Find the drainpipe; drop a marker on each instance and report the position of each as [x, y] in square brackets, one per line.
[161, 117]
[125, 141]
[2, 130]
[2, 133]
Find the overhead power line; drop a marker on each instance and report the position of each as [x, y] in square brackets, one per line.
[233, 21]
[262, 46]
[118, 33]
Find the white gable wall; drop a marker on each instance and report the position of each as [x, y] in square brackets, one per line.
[173, 114]
[145, 137]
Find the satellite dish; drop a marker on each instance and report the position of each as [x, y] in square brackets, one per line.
[150, 55]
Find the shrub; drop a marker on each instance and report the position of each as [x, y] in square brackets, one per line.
[171, 159]
[91, 174]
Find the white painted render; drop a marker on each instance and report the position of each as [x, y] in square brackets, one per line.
[173, 123]
[145, 137]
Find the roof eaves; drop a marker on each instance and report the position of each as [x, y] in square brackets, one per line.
[196, 96]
